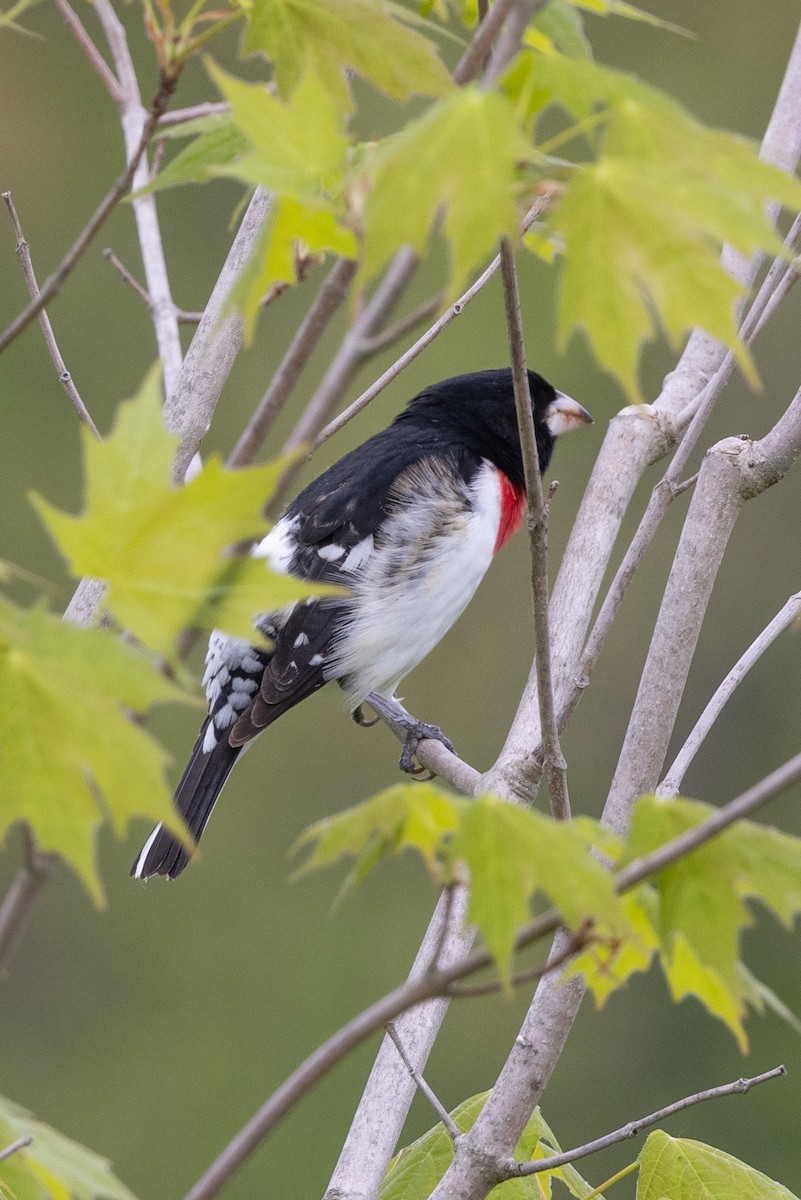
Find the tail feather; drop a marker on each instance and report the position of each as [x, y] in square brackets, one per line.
[195, 796]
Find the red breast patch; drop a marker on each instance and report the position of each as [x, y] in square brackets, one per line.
[513, 503]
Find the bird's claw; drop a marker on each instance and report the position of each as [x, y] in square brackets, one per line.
[416, 734]
[365, 722]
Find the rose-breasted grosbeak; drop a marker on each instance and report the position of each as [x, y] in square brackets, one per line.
[409, 523]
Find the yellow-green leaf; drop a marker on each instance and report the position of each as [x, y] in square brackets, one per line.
[52, 1167]
[418, 1168]
[220, 143]
[408, 815]
[703, 899]
[642, 226]
[630, 250]
[687, 1170]
[298, 147]
[605, 967]
[70, 756]
[362, 35]
[513, 852]
[293, 226]
[165, 551]
[420, 172]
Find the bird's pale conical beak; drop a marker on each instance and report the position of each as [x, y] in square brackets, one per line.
[564, 414]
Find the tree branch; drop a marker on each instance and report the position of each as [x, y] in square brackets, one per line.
[96, 60]
[55, 282]
[420, 1083]
[328, 299]
[213, 350]
[65, 378]
[19, 1144]
[455, 310]
[181, 316]
[554, 763]
[671, 784]
[134, 120]
[517, 1170]
[25, 887]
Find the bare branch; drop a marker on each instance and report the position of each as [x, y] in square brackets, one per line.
[554, 763]
[517, 1170]
[442, 1112]
[180, 116]
[637, 437]
[134, 119]
[672, 782]
[19, 898]
[393, 333]
[19, 1144]
[326, 302]
[181, 316]
[65, 378]
[55, 282]
[217, 341]
[99, 64]
[425, 340]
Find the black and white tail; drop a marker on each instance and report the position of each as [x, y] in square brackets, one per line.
[195, 797]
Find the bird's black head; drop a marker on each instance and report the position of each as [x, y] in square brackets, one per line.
[478, 410]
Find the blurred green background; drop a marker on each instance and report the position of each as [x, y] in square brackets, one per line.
[152, 1031]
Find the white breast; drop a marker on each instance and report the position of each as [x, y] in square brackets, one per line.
[428, 560]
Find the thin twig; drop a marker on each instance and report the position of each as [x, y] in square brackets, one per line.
[475, 56]
[180, 116]
[393, 333]
[96, 60]
[673, 779]
[26, 885]
[445, 1117]
[55, 282]
[65, 378]
[134, 120]
[325, 304]
[181, 315]
[448, 896]
[19, 1144]
[554, 763]
[517, 1170]
[425, 340]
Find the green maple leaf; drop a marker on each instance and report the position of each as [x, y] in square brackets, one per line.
[53, 1166]
[513, 852]
[298, 147]
[416, 816]
[642, 226]
[219, 142]
[363, 35]
[292, 225]
[510, 853]
[298, 151]
[418, 173]
[70, 757]
[687, 1170]
[418, 1168]
[164, 551]
[703, 898]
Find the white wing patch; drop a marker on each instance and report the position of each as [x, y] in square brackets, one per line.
[279, 545]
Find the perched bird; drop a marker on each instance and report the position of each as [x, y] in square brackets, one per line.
[408, 522]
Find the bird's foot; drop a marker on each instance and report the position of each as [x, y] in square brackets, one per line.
[365, 722]
[414, 731]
